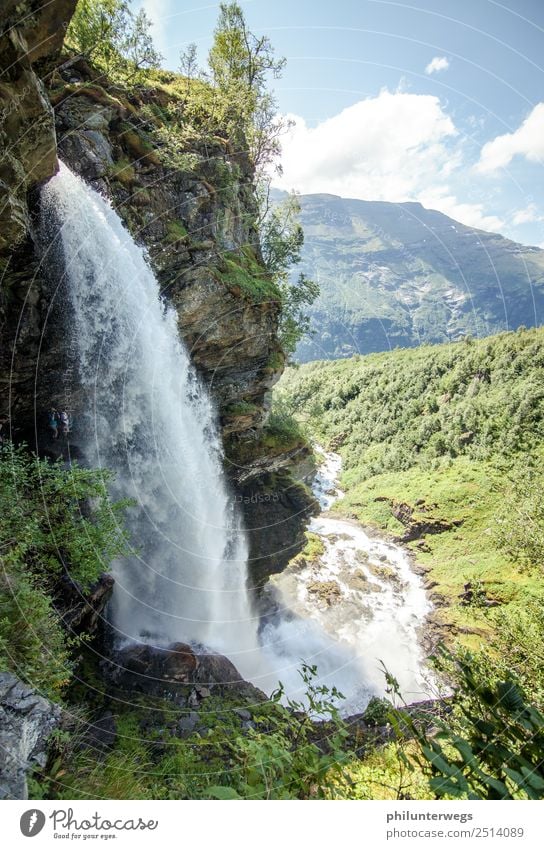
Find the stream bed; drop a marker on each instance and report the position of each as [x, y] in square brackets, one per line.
[364, 599]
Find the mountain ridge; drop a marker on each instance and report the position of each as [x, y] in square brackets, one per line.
[399, 275]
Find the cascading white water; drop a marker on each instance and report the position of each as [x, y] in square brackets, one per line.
[149, 419]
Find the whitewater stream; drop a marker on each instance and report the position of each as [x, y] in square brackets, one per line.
[148, 418]
[364, 594]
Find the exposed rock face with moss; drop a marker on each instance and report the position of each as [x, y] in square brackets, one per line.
[194, 211]
[31, 35]
[197, 223]
[31, 31]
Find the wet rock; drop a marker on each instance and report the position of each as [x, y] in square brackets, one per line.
[219, 674]
[276, 512]
[359, 581]
[176, 672]
[384, 572]
[26, 722]
[179, 663]
[326, 591]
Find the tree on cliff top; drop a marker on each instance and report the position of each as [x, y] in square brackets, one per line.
[113, 37]
[232, 98]
[240, 65]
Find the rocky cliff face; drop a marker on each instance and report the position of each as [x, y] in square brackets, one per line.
[26, 721]
[195, 213]
[30, 37]
[197, 224]
[31, 32]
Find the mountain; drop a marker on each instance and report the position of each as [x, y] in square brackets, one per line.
[397, 274]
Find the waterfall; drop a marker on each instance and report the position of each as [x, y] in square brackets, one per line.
[149, 419]
[146, 416]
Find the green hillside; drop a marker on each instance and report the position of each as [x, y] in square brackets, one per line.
[402, 275]
[442, 446]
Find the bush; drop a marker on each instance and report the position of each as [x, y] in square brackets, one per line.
[116, 40]
[520, 523]
[55, 521]
[492, 746]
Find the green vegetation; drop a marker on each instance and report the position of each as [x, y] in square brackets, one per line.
[443, 446]
[282, 238]
[492, 747]
[115, 39]
[123, 171]
[48, 530]
[393, 412]
[263, 751]
[436, 445]
[220, 124]
[232, 100]
[432, 442]
[283, 430]
[244, 272]
[232, 93]
[176, 231]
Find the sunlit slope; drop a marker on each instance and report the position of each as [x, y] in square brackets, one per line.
[430, 438]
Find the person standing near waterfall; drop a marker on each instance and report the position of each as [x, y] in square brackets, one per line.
[53, 423]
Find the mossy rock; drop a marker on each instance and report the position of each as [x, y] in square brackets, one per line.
[94, 92]
[176, 232]
[123, 171]
[140, 148]
[245, 276]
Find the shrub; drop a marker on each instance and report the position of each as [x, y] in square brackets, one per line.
[55, 521]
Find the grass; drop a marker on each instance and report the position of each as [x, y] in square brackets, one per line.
[176, 232]
[242, 273]
[124, 172]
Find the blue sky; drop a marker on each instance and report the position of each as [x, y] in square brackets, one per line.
[435, 100]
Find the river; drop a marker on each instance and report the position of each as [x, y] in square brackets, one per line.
[363, 593]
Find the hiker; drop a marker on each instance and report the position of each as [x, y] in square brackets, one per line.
[65, 423]
[54, 423]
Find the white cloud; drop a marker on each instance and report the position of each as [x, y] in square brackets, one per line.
[527, 141]
[471, 214]
[529, 215]
[383, 148]
[438, 63]
[397, 146]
